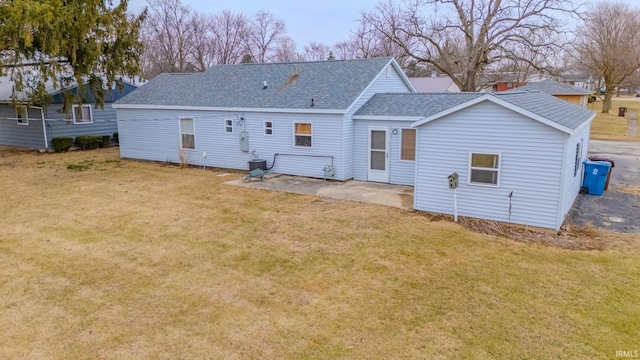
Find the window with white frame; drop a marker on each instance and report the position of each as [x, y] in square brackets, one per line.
[484, 169]
[408, 146]
[187, 134]
[22, 114]
[268, 128]
[303, 134]
[82, 114]
[228, 126]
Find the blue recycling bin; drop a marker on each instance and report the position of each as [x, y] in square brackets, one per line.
[595, 176]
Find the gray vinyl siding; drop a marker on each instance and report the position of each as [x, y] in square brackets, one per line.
[531, 165]
[382, 84]
[400, 171]
[104, 123]
[155, 135]
[571, 183]
[13, 134]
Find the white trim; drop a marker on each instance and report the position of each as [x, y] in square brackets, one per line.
[229, 109]
[387, 118]
[265, 128]
[44, 126]
[495, 100]
[294, 135]
[193, 121]
[415, 170]
[22, 121]
[586, 123]
[400, 73]
[415, 155]
[386, 173]
[497, 170]
[561, 185]
[226, 126]
[82, 106]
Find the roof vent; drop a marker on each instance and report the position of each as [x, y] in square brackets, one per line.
[312, 103]
[264, 84]
[295, 70]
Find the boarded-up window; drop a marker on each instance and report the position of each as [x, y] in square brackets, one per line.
[82, 114]
[408, 151]
[303, 134]
[484, 169]
[187, 134]
[22, 115]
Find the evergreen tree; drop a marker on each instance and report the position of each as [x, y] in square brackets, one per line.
[67, 42]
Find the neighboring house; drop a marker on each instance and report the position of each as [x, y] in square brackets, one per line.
[581, 80]
[570, 93]
[362, 119]
[506, 85]
[28, 126]
[434, 84]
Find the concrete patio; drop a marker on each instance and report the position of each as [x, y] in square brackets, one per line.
[377, 193]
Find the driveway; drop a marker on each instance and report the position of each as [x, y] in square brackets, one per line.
[618, 208]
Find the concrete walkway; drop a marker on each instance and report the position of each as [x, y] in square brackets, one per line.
[632, 125]
[377, 193]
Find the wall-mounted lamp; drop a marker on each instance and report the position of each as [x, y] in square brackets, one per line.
[394, 131]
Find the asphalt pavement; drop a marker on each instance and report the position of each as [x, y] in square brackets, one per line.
[618, 208]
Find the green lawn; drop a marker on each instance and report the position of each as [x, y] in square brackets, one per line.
[135, 260]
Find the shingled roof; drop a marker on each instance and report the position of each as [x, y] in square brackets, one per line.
[553, 88]
[333, 85]
[429, 106]
[414, 105]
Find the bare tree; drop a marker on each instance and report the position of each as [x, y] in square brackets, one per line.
[263, 36]
[204, 45]
[461, 38]
[230, 34]
[316, 51]
[344, 50]
[169, 38]
[286, 50]
[607, 45]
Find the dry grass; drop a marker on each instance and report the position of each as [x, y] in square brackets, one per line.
[627, 189]
[130, 260]
[611, 126]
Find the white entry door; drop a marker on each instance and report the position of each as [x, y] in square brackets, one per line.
[378, 154]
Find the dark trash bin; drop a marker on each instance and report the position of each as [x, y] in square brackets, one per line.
[622, 111]
[595, 176]
[608, 159]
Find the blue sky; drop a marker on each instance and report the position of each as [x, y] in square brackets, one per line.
[324, 21]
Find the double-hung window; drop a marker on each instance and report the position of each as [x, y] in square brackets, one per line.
[22, 114]
[187, 134]
[82, 114]
[303, 134]
[484, 169]
[268, 128]
[228, 126]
